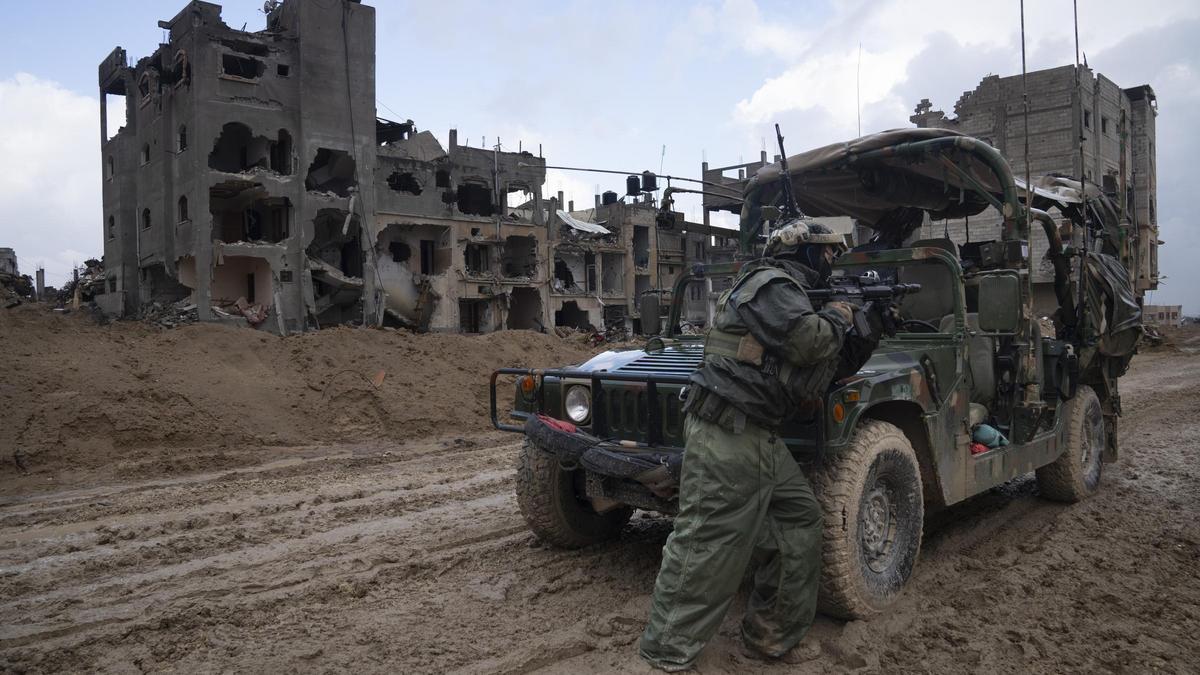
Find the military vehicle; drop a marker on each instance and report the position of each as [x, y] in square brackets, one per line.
[894, 441]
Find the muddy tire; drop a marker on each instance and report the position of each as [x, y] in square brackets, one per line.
[874, 511]
[1075, 475]
[550, 499]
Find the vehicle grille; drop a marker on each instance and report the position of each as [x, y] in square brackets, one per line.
[626, 418]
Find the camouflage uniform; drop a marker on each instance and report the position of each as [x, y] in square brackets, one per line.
[740, 489]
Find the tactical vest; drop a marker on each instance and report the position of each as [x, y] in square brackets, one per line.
[735, 341]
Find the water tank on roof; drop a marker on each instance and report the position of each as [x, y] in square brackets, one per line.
[633, 186]
[609, 197]
[649, 181]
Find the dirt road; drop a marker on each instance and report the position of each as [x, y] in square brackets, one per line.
[412, 558]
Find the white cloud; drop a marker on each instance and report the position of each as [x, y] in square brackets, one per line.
[50, 190]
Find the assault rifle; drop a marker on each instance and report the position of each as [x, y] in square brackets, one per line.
[868, 293]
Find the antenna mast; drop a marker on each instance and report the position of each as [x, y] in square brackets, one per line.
[1025, 102]
[858, 87]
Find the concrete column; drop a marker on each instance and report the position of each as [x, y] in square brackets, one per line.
[41, 284]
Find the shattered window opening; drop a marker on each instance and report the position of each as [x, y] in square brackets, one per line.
[181, 70]
[183, 209]
[181, 143]
[612, 273]
[144, 85]
[242, 67]
[572, 316]
[519, 202]
[112, 227]
[475, 199]
[400, 251]
[519, 257]
[441, 178]
[404, 181]
[283, 70]
[331, 171]
[524, 308]
[641, 246]
[109, 168]
[474, 316]
[145, 154]
[245, 46]
[243, 211]
[427, 254]
[478, 258]
[238, 150]
[145, 219]
[113, 123]
[329, 246]
[281, 153]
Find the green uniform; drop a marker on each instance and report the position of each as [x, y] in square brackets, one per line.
[740, 489]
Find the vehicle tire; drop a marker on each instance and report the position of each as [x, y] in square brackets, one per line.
[549, 498]
[874, 512]
[1075, 475]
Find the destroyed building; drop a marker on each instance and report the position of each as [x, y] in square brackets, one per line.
[1163, 315]
[251, 180]
[1116, 128]
[251, 167]
[608, 258]
[8, 262]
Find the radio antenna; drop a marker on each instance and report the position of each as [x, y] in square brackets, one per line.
[790, 208]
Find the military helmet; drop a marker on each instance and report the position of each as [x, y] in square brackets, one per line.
[799, 232]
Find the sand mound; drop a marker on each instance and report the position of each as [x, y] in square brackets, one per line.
[79, 393]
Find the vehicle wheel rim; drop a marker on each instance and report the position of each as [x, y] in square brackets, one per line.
[877, 525]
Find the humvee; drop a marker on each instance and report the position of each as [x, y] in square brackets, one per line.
[889, 444]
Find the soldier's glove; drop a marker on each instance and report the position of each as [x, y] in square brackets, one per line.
[844, 310]
[890, 318]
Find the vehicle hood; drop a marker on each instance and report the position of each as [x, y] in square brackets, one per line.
[676, 359]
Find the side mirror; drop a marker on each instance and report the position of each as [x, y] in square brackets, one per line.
[999, 304]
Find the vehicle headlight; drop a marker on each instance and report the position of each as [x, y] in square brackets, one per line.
[578, 403]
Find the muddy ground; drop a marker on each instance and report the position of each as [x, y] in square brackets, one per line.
[391, 556]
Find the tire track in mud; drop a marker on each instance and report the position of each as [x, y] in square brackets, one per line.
[45, 569]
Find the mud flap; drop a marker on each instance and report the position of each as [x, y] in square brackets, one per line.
[1110, 439]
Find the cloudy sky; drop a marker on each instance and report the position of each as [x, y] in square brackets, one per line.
[609, 84]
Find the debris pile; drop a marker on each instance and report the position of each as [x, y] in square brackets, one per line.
[89, 283]
[170, 316]
[14, 288]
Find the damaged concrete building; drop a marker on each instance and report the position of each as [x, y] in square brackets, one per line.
[1115, 126]
[609, 258]
[252, 176]
[252, 179]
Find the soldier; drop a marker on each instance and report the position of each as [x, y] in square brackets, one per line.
[767, 352]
